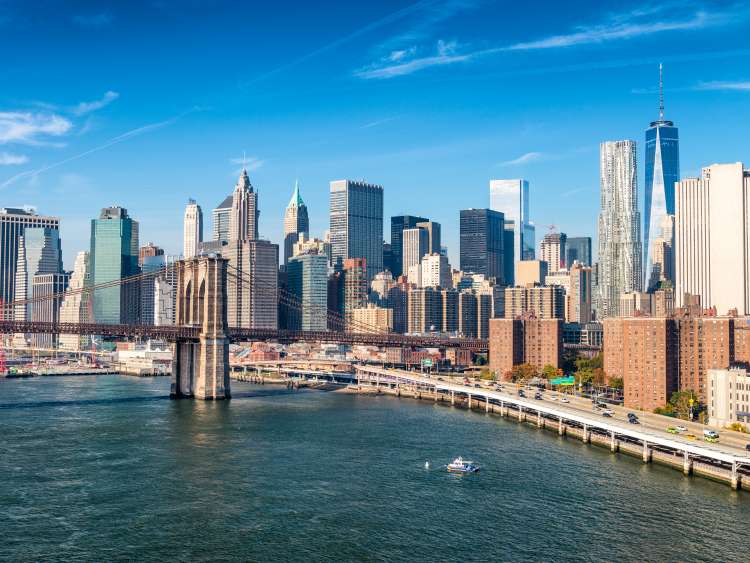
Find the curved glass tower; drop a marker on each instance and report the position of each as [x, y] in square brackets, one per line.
[662, 167]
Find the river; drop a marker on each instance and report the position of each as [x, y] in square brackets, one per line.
[108, 468]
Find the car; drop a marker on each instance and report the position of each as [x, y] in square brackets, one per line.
[440, 379]
[564, 400]
[632, 415]
[672, 430]
[747, 447]
[607, 413]
[681, 428]
[633, 420]
[477, 385]
[690, 436]
[521, 393]
[601, 405]
[538, 396]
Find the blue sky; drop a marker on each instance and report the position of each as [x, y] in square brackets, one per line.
[144, 104]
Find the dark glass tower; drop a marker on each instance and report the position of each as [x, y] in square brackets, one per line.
[482, 242]
[662, 166]
[398, 224]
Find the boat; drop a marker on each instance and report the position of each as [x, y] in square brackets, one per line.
[460, 465]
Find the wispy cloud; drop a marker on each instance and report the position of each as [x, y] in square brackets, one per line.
[724, 85]
[31, 128]
[93, 20]
[250, 163]
[379, 122]
[9, 159]
[87, 107]
[524, 159]
[113, 141]
[389, 67]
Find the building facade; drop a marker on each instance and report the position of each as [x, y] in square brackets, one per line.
[543, 302]
[553, 250]
[398, 224]
[511, 198]
[245, 213]
[296, 223]
[39, 252]
[433, 236]
[524, 341]
[436, 271]
[252, 287]
[47, 290]
[728, 397]
[220, 218]
[482, 242]
[76, 304]
[415, 246]
[578, 249]
[373, 319]
[307, 277]
[192, 235]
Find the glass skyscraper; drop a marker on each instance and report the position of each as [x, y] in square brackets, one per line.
[662, 170]
[114, 255]
[308, 280]
[399, 223]
[511, 198]
[482, 242]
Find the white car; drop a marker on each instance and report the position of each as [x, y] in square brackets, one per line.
[681, 428]
[608, 412]
[564, 400]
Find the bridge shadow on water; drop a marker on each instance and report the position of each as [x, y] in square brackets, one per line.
[143, 399]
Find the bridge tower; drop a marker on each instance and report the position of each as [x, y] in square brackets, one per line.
[201, 369]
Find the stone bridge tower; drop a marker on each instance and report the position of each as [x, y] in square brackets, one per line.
[201, 369]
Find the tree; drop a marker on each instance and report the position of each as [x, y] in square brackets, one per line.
[522, 372]
[549, 372]
[684, 403]
[616, 383]
[480, 360]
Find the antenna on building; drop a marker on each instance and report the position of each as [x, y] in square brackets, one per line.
[244, 156]
[661, 94]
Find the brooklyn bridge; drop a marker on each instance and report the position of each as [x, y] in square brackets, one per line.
[201, 335]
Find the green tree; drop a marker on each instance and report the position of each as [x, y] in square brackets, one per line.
[616, 383]
[549, 372]
[523, 372]
[682, 401]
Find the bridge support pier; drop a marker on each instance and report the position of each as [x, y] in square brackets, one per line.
[521, 414]
[469, 401]
[735, 477]
[586, 434]
[201, 369]
[687, 464]
[646, 453]
[539, 418]
[614, 445]
[561, 428]
[453, 398]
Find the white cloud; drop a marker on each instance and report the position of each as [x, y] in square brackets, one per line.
[379, 122]
[93, 20]
[250, 163]
[30, 128]
[743, 86]
[7, 159]
[524, 159]
[388, 67]
[87, 107]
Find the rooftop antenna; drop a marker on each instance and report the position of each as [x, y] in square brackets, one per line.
[244, 156]
[661, 94]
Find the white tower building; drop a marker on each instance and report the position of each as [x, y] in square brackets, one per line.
[192, 229]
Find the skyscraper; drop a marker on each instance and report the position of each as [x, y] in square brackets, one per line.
[243, 218]
[75, 305]
[415, 244]
[398, 224]
[47, 291]
[113, 256]
[149, 251]
[13, 222]
[39, 252]
[481, 239]
[220, 216]
[578, 249]
[712, 238]
[192, 229]
[296, 222]
[553, 250]
[357, 223]
[308, 281]
[355, 287]
[511, 198]
[620, 250]
[433, 235]
[253, 286]
[662, 170]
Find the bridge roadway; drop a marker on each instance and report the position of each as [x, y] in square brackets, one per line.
[190, 332]
[650, 434]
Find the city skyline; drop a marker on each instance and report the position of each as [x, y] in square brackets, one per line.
[181, 138]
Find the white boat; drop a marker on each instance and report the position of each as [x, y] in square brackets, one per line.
[460, 465]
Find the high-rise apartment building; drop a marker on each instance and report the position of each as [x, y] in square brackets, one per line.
[449, 311]
[433, 236]
[531, 272]
[662, 170]
[524, 341]
[482, 242]
[307, 277]
[414, 246]
[511, 198]
[543, 302]
[398, 224]
[192, 235]
[553, 250]
[13, 222]
[113, 256]
[620, 252]
[436, 271]
[252, 287]
[712, 238]
[355, 285]
[149, 251]
[244, 215]
[425, 310]
[220, 218]
[578, 298]
[578, 249]
[372, 319]
[468, 323]
[296, 223]
[356, 215]
[75, 307]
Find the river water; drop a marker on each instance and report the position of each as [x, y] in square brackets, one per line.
[108, 468]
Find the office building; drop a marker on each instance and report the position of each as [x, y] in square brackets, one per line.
[113, 256]
[578, 249]
[662, 256]
[192, 235]
[425, 310]
[531, 272]
[531, 341]
[578, 298]
[449, 311]
[354, 289]
[635, 304]
[481, 239]
[620, 252]
[13, 222]
[305, 245]
[47, 290]
[296, 223]
[414, 245]
[373, 319]
[511, 198]
[307, 278]
[468, 323]
[433, 236]
[220, 217]
[398, 224]
[164, 302]
[252, 286]
[245, 213]
[357, 223]
[712, 237]
[436, 271]
[728, 397]
[543, 302]
[553, 250]
[644, 353]
[149, 251]
[39, 252]
[150, 264]
[662, 170]
[379, 287]
[75, 307]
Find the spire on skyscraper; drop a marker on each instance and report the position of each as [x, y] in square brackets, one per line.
[296, 200]
[661, 93]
